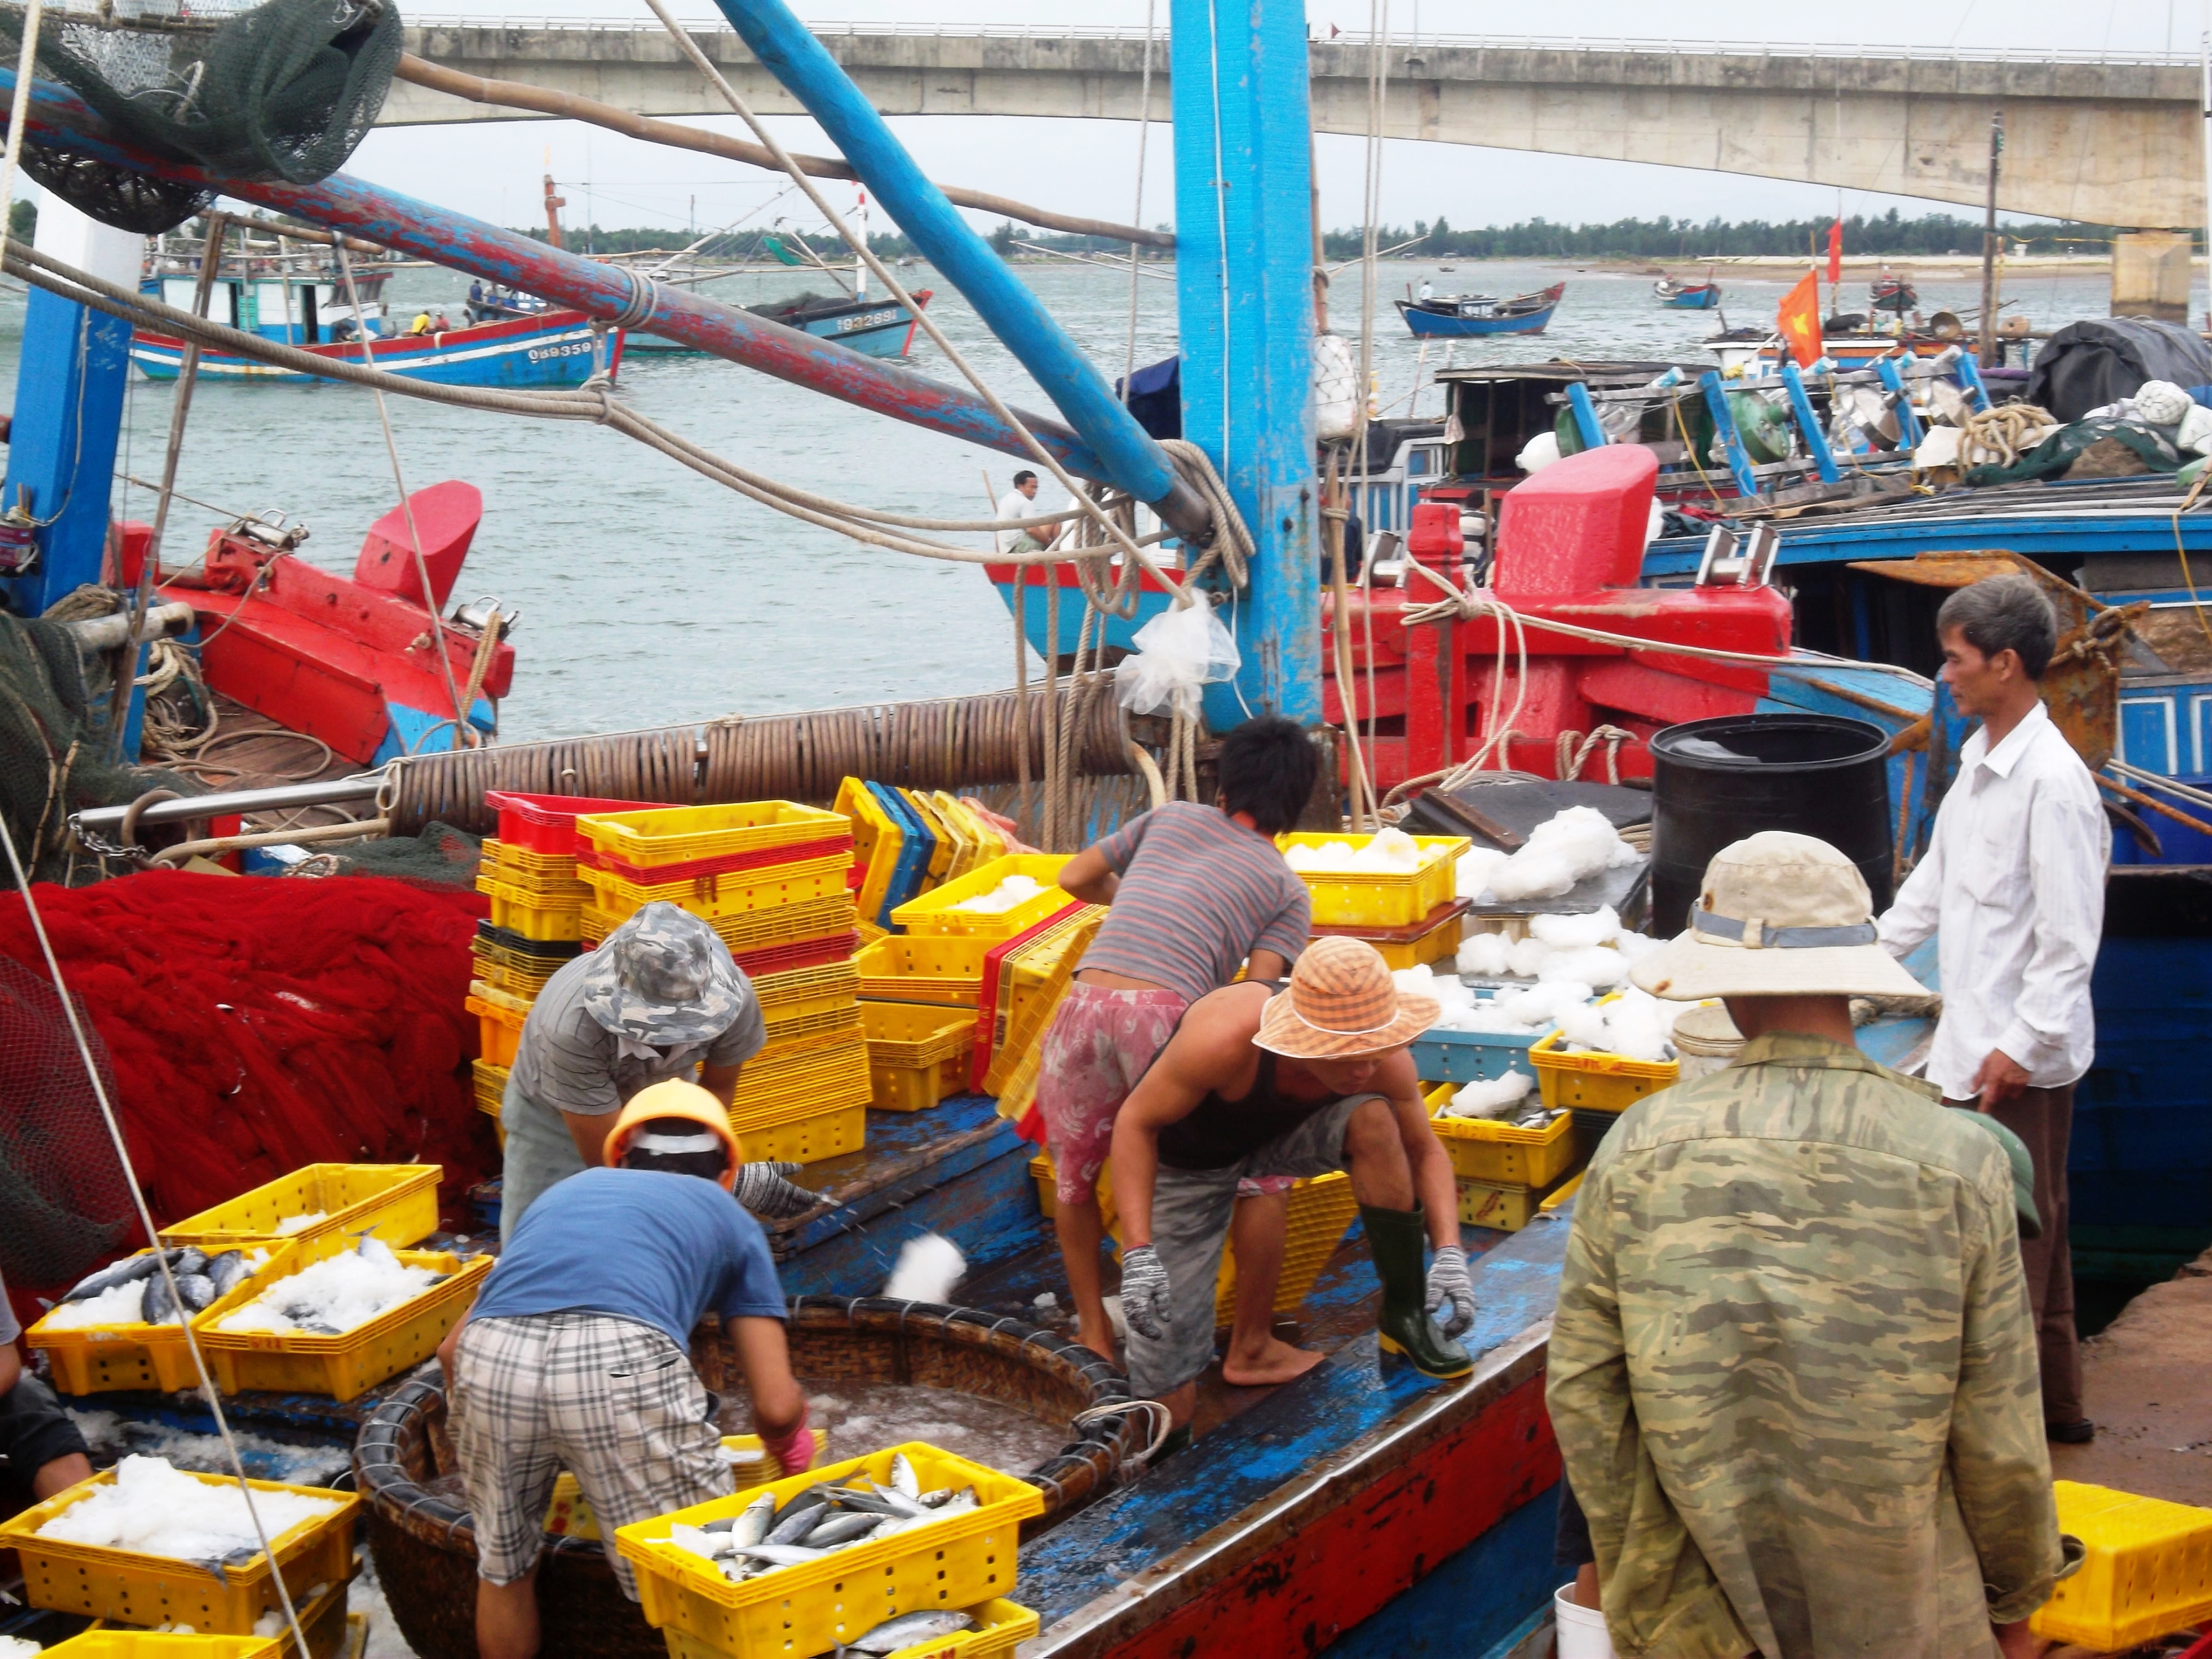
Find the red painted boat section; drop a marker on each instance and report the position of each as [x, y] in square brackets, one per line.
[445, 516]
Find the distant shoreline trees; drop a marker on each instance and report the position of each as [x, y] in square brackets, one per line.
[1678, 241]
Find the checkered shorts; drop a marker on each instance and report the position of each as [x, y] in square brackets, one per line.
[614, 1402]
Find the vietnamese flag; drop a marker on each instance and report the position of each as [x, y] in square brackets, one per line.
[1798, 319]
[1836, 253]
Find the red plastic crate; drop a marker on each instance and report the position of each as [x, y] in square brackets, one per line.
[547, 824]
[799, 953]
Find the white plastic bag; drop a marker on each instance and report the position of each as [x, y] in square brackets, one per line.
[1177, 652]
[1336, 391]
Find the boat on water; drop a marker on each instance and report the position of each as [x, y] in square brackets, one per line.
[549, 347]
[881, 328]
[1465, 315]
[1687, 296]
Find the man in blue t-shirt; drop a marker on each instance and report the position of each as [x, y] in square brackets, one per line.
[575, 1354]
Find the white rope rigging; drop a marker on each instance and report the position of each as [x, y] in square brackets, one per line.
[208, 1391]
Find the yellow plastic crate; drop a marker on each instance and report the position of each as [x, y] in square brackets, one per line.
[2149, 1572]
[1440, 941]
[914, 1034]
[937, 913]
[569, 1513]
[102, 1358]
[109, 1641]
[1048, 1185]
[489, 1081]
[783, 1026]
[1482, 1150]
[958, 1562]
[1565, 1190]
[679, 835]
[1002, 1626]
[1597, 1082]
[769, 887]
[1380, 900]
[829, 1133]
[344, 1366]
[527, 861]
[804, 990]
[803, 1084]
[1508, 1208]
[876, 843]
[916, 1088]
[519, 973]
[945, 846]
[398, 1202]
[154, 1589]
[945, 970]
[752, 930]
[499, 1028]
[532, 917]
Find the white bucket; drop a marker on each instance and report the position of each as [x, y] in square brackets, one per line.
[1581, 1629]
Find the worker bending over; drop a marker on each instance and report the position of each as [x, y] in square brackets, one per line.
[661, 998]
[1792, 1371]
[576, 1353]
[42, 1450]
[1261, 1080]
[1195, 892]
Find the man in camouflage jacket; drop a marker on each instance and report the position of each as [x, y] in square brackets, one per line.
[1793, 1369]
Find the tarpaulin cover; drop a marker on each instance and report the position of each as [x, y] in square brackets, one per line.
[254, 1025]
[2087, 365]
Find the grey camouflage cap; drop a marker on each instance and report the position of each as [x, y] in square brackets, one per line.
[665, 977]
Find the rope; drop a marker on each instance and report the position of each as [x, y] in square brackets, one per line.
[2000, 436]
[107, 1109]
[1232, 545]
[1335, 512]
[464, 733]
[883, 273]
[2196, 600]
[1137, 212]
[1378, 89]
[1569, 758]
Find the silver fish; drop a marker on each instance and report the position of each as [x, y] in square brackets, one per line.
[903, 1478]
[780, 1555]
[158, 1307]
[195, 1290]
[190, 1259]
[797, 1524]
[960, 1501]
[116, 1272]
[227, 1271]
[751, 1526]
[843, 1529]
[899, 1503]
[908, 1628]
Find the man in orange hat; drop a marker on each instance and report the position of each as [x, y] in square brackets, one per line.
[576, 1353]
[1304, 1079]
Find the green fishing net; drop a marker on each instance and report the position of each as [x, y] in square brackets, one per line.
[282, 90]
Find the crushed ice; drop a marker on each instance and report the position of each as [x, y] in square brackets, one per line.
[1388, 852]
[153, 1509]
[1012, 892]
[334, 1295]
[297, 1224]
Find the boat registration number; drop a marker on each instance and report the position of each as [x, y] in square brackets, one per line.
[867, 320]
[573, 349]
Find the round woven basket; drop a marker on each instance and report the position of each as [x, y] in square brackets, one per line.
[424, 1541]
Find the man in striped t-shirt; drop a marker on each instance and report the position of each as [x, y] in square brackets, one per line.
[1195, 892]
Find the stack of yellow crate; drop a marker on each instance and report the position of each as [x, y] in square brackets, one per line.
[535, 927]
[770, 877]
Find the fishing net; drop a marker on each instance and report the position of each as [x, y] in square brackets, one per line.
[56, 755]
[64, 1205]
[440, 853]
[256, 1025]
[282, 90]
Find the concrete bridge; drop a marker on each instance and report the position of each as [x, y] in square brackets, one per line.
[2107, 140]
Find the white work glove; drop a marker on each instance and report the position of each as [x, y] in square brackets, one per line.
[1144, 1302]
[767, 1190]
[1448, 1282]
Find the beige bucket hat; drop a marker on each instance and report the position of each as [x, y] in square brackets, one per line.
[1779, 915]
[1342, 1003]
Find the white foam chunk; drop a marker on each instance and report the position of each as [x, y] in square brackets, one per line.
[1388, 852]
[928, 1267]
[156, 1510]
[1014, 890]
[1565, 849]
[1496, 1097]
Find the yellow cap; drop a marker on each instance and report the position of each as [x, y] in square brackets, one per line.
[674, 1099]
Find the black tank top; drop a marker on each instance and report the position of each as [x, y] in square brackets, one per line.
[1218, 1132]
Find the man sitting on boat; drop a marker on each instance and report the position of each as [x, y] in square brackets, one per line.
[575, 1354]
[1020, 502]
[1267, 1081]
[1792, 1369]
[1196, 891]
[661, 998]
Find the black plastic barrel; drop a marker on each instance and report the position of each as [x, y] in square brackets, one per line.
[1716, 781]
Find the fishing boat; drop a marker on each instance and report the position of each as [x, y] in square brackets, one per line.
[1893, 293]
[552, 348]
[881, 328]
[1687, 296]
[1463, 316]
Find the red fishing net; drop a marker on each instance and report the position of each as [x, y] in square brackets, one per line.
[256, 1024]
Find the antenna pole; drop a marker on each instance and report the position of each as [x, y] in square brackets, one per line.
[1989, 247]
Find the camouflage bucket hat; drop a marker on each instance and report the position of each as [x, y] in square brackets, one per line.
[665, 977]
[1779, 915]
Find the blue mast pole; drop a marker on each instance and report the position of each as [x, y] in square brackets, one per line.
[1245, 298]
[1133, 460]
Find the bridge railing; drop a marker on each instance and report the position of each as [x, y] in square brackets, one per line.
[1397, 42]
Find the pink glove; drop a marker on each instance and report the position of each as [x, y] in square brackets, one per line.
[794, 1450]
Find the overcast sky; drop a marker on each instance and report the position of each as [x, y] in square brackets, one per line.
[492, 169]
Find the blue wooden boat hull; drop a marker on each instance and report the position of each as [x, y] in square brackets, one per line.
[554, 350]
[1429, 324]
[1702, 299]
[883, 331]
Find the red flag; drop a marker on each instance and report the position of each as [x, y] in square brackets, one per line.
[1798, 319]
[1835, 253]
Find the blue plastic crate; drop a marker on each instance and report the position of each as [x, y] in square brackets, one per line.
[1467, 1056]
[916, 848]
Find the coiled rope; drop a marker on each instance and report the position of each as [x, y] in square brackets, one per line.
[2000, 436]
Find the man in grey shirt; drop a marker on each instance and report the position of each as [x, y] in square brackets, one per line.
[659, 999]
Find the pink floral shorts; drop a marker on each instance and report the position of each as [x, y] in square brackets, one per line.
[1101, 1042]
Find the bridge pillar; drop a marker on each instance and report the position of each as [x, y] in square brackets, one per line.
[1245, 298]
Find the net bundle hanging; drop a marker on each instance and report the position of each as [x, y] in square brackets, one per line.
[284, 90]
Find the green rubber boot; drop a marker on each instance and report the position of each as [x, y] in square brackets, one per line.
[1396, 1238]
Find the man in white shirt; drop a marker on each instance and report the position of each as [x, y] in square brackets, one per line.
[1020, 502]
[2014, 883]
